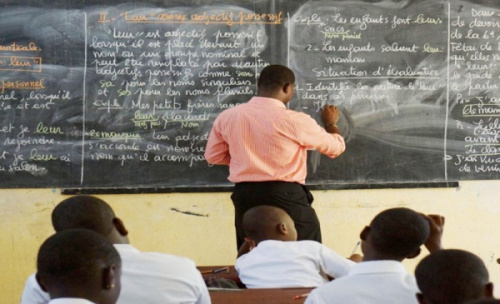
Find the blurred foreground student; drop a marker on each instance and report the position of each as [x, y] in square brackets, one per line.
[452, 277]
[393, 235]
[148, 277]
[272, 257]
[79, 266]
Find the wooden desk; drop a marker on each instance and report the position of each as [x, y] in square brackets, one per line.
[250, 296]
[259, 296]
[231, 275]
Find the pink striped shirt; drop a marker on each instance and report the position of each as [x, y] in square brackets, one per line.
[262, 140]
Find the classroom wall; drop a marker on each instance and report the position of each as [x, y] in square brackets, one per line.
[200, 226]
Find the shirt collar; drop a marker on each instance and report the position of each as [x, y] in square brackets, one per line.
[372, 267]
[125, 248]
[70, 300]
[267, 101]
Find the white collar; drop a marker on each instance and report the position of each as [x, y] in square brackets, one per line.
[372, 267]
[125, 248]
[70, 301]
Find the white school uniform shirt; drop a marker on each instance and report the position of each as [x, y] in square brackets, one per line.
[33, 293]
[147, 278]
[278, 264]
[368, 283]
[70, 301]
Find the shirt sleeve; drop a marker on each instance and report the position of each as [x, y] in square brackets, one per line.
[33, 293]
[314, 298]
[312, 136]
[204, 296]
[333, 264]
[237, 264]
[217, 150]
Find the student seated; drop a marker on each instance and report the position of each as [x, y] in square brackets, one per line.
[79, 266]
[148, 277]
[271, 256]
[452, 277]
[393, 235]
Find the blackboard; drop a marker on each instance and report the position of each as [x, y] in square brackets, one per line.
[122, 94]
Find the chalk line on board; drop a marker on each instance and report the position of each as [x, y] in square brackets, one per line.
[84, 97]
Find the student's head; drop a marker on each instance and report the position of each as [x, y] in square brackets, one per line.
[276, 81]
[394, 234]
[89, 212]
[79, 263]
[264, 222]
[452, 277]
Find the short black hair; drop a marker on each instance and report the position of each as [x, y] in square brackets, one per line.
[274, 77]
[72, 257]
[260, 222]
[451, 276]
[398, 232]
[83, 211]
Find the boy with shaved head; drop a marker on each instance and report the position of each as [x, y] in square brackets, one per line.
[393, 235]
[79, 266]
[148, 277]
[452, 277]
[272, 257]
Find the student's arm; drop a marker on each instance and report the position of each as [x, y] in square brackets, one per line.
[204, 295]
[314, 298]
[356, 258]
[436, 224]
[246, 247]
[333, 264]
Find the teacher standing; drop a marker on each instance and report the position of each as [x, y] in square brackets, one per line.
[265, 146]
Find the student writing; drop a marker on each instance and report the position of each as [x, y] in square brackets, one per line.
[272, 257]
[392, 236]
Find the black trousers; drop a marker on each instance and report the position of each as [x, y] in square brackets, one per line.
[294, 198]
